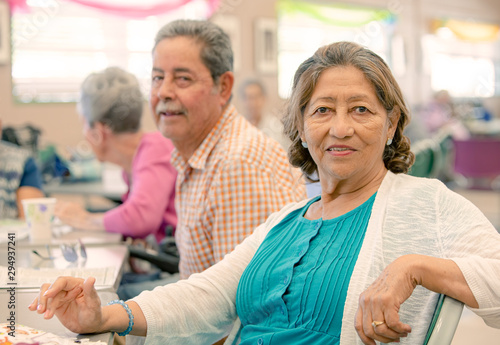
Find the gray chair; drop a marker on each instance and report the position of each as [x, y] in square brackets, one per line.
[444, 322]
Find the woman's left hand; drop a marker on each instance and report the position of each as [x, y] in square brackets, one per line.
[377, 317]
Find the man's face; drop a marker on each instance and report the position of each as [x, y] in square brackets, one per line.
[184, 99]
[253, 102]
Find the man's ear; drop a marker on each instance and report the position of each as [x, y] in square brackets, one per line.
[226, 82]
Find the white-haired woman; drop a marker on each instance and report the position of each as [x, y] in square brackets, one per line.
[111, 106]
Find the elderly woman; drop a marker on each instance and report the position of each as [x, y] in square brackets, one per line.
[362, 262]
[111, 107]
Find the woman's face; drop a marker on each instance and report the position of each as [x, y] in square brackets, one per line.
[346, 127]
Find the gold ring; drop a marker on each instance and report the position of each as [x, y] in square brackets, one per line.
[375, 324]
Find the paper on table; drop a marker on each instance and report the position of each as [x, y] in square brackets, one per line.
[28, 335]
[34, 278]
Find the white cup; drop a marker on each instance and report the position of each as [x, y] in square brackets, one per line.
[39, 213]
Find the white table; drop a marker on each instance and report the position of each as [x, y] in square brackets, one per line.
[105, 263]
[486, 128]
[89, 238]
[106, 256]
[23, 316]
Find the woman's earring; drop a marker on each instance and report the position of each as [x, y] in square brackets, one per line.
[389, 141]
[304, 145]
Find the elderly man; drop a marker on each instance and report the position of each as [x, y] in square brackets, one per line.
[252, 94]
[230, 175]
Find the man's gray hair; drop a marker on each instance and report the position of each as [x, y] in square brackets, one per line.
[216, 51]
[112, 97]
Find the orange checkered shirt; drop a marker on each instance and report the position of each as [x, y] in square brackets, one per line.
[234, 180]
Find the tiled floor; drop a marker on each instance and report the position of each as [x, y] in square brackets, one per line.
[472, 329]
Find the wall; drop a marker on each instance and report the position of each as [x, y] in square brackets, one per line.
[60, 125]
[247, 12]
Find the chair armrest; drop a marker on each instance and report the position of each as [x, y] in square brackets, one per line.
[164, 261]
[445, 321]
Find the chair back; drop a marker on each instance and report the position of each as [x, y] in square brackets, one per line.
[426, 157]
[444, 321]
[433, 156]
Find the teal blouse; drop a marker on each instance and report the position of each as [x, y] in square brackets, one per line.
[294, 289]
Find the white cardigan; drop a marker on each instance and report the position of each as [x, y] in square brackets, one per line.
[410, 215]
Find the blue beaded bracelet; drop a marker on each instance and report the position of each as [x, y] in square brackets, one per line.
[130, 316]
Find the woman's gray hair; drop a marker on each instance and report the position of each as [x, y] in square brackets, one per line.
[216, 51]
[112, 97]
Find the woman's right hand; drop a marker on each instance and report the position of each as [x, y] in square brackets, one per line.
[73, 301]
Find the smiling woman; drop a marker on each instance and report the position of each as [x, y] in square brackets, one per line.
[346, 126]
[381, 98]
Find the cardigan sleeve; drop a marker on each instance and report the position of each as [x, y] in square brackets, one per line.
[472, 242]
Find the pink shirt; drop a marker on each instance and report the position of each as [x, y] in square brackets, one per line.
[148, 206]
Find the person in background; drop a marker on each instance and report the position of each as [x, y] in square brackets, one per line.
[440, 117]
[253, 96]
[362, 263]
[20, 179]
[230, 175]
[111, 106]
[439, 112]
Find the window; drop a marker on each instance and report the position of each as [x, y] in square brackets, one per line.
[304, 27]
[56, 45]
[461, 57]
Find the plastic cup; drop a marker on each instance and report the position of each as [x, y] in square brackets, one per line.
[39, 213]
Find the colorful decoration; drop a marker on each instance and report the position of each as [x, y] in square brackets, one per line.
[142, 9]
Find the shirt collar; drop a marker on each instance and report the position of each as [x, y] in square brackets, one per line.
[200, 157]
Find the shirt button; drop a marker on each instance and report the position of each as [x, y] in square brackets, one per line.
[285, 280]
[260, 341]
[282, 310]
